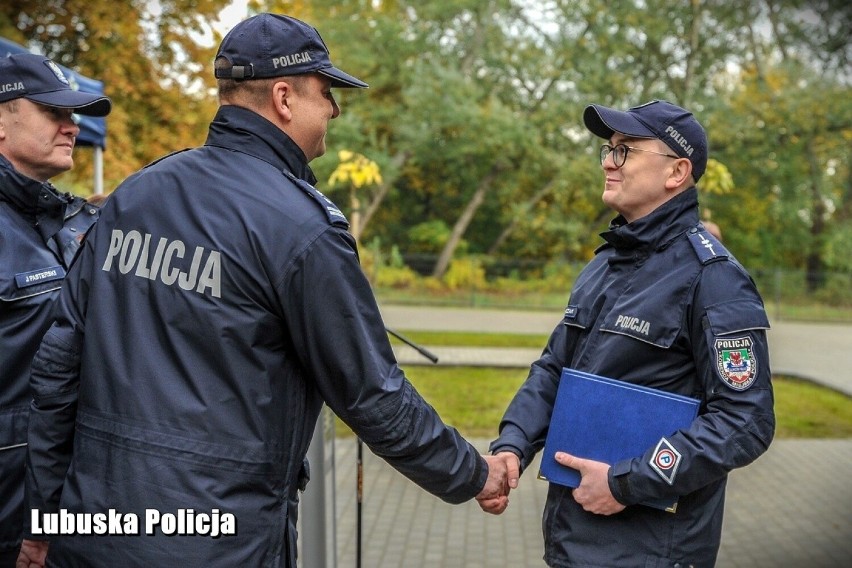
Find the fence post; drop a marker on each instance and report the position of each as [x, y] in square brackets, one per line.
[319, 526]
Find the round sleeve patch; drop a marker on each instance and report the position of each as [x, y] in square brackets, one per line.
[735, 362]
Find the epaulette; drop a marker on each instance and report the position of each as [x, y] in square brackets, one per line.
[334, 214]
[707, 247]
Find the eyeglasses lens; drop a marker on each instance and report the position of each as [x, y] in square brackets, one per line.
[619, 154]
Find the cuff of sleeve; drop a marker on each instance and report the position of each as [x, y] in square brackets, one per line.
[515, 443]
[481, 473]
[619, 482]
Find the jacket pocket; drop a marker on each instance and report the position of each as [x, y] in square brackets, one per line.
[737, 316]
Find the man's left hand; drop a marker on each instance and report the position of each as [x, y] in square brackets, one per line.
[593, 493]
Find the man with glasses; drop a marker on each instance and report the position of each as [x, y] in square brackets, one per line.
[40, 232]
[665, 305]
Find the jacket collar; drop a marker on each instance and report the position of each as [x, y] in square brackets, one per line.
[243, 130]
[37, 202]
[658, 228]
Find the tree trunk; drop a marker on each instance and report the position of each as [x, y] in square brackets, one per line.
[463, 222]
[777, 31]
[694, 47]
[815, 276]
[523, 211]
[382, 192]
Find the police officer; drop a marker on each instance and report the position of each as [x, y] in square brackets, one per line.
[40, 232]
[662, 304]
[223, 303]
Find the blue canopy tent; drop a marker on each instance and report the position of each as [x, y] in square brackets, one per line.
[92, 128]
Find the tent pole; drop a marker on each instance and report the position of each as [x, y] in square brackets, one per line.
[99, 170]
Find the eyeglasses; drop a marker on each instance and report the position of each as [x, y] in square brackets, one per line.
[619, 153]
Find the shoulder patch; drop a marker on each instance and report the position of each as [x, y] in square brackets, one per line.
[736, 363]
[334, 214]
[707, 247]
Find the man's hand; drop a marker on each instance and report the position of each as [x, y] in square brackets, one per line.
[33, 554]
[503, 474]
[593, 493]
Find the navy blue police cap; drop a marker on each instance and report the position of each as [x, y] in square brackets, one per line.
[675, 126]
[38, 79]
[273, 45]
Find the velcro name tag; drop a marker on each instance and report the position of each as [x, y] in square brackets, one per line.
[40, 276]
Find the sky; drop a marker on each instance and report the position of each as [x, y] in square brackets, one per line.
[230, 16]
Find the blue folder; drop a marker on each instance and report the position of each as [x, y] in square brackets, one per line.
[608, 420]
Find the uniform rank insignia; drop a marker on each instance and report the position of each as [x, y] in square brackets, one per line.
[735, 362]
[332, 211]
[665, 460]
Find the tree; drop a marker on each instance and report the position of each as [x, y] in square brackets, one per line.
[785, 123]
[474, 112]
[152, 64]
[788, 148]
[485, 100]
[355, 171]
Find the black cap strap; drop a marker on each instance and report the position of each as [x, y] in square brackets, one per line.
[236, 72]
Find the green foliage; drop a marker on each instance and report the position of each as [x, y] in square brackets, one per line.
[429, 236]
[717, 178]
[472, 339]
[483, 100]
[473, 399]
[838, 249]
[386, 270]
[143, 58]
[465, 273]
[561, 275]
[396, 277]
[806, 410]
[784, 134]
[837, 291]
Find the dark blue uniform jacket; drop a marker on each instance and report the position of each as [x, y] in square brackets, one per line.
[218, 303]
[662, 304]
[40, 232]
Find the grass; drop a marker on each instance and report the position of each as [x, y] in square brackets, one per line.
[806, 410]
[811, 313]
[472, 339]
[801, 309]
[473, 400]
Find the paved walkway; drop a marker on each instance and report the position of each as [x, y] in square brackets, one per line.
[791, 508]
[818, 352]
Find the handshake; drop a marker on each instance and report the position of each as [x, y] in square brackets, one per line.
[503, 473]
[592, 494]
